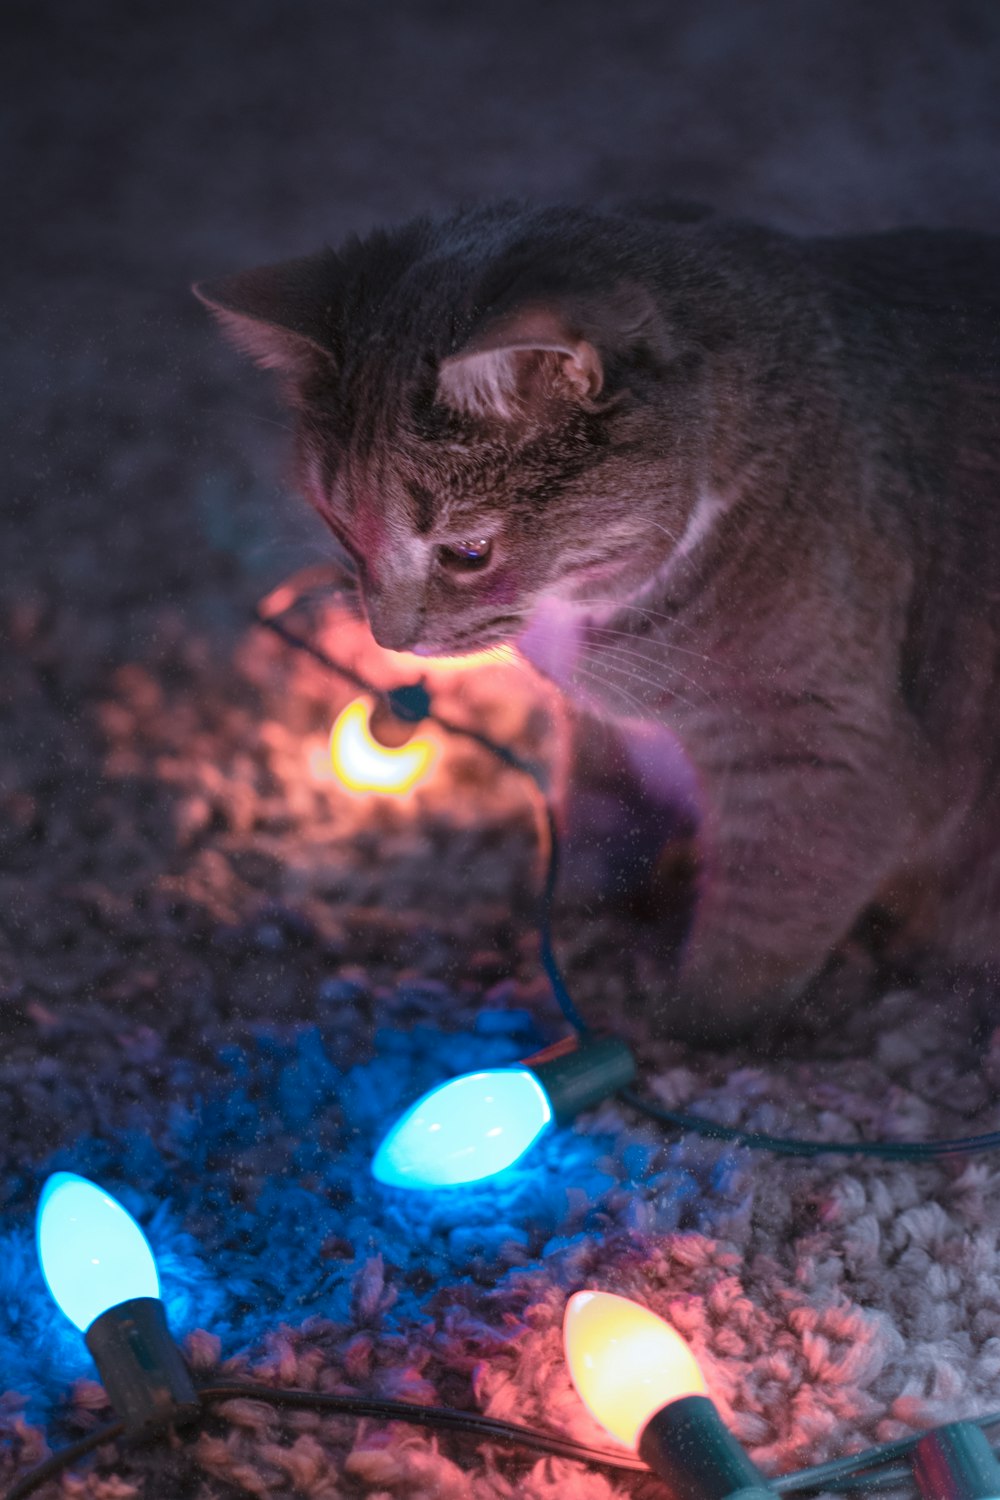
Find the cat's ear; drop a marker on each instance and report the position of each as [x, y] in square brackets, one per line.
[281, 315]
[541, 349]
[503, 370]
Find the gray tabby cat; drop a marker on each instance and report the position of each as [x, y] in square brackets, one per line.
[729, 488]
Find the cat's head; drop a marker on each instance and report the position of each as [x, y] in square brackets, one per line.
[474, 402]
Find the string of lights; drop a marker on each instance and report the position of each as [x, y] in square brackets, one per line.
[634, 1372]
[440, 1418]
[269, 613]
[873, 1469]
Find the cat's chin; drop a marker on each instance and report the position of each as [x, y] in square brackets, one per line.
[448, 653]
[445, 653]
[466, 646]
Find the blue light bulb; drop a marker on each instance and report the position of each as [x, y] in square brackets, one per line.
[92, 1252]
[465, 1130]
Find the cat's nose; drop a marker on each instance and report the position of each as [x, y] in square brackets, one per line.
[394, 618]
[392, 637]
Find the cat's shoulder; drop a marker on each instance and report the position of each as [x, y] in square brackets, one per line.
[915, 265]
[938, 290]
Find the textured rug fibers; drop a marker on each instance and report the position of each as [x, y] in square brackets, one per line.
[220, 977]
[250, 1026]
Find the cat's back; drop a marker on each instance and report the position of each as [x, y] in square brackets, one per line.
[931, 296]
[915, 318]
[918, 312]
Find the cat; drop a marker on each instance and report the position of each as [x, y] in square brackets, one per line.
[732, 489]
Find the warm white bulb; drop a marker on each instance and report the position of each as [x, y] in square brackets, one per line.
[361, 764]
[625, 1362]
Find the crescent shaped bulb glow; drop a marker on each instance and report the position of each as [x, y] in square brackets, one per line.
[92, 1252]
[361, 764]
[625, 1362]
[467, 1129]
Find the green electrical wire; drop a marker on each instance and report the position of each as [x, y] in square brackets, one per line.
[675, 1119]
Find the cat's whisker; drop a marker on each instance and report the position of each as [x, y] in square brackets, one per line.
[661, 645]
[257, 416]
[616, 550]
[617, 606]
[667, 532]
[515, 659]
[640, 680]
[635, 706]
[626, 656]
[647, 679]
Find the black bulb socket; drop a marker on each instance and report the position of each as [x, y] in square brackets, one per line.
[692, 1450]
[394, 717]
[143, 1371]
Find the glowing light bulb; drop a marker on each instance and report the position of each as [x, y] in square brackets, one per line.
[465, 1130]
[92, 1252]
[362, 764]
[638, 1377]
[100, 1270]
[625, 1362]
[477, 1125]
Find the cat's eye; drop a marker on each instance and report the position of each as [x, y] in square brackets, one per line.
[467, 557]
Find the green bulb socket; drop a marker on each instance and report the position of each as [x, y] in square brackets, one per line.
[689, 1446]
[579, 1073]
[148, 1383]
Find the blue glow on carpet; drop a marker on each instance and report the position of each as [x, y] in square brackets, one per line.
[251, 1179]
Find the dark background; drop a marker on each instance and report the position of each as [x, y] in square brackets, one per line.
[146, 146]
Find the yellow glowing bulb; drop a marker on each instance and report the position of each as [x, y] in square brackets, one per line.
[625, 1362]
[361, 764]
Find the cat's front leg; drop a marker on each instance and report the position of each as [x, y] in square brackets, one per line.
[792, 849]
[628, 820]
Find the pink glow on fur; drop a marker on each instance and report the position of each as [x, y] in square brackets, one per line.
[502, 587]
[664, 771]
[552, 641]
